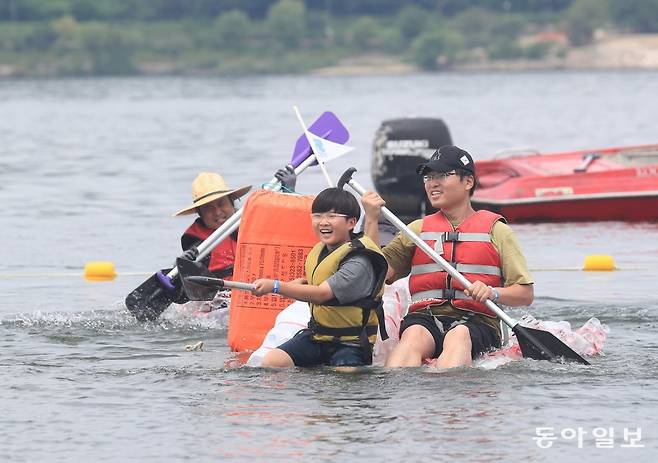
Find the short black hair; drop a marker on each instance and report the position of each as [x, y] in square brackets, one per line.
[463, 173]
[336, 200]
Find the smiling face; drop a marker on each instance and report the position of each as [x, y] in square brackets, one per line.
[215, 213]
[332, 229]
[448, 192]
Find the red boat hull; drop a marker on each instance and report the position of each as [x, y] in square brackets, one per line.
[630, 209]
[593, 185]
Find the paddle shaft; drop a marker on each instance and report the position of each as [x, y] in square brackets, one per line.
[233, 222]
[239, 285]
[388, 215]
[218, 282]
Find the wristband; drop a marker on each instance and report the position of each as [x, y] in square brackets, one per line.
[496, 294]
[276, 286]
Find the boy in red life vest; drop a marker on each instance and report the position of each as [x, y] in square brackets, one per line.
[446, 320]
[214, 202]
[344, 285]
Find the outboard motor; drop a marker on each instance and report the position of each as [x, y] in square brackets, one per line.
[399, 146]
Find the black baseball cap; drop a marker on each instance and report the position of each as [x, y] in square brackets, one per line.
[447, 158]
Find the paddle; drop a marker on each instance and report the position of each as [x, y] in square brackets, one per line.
[153, 296]
[199, 284]
[218, 283]
[204, 288]
[534, 343]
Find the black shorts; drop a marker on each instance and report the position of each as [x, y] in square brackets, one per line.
[305, 352]
[484, 338]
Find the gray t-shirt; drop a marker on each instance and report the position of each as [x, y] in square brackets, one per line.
[354, 280]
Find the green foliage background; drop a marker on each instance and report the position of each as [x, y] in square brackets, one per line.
[107, 37]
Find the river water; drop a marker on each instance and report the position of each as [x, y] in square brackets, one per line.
[93, 169]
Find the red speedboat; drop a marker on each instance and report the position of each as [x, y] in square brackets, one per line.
[605, 184]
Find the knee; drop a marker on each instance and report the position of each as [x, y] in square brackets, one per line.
[458, 336]
[277, 358]
[413, 335]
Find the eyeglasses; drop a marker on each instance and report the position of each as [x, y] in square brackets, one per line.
[330, 216]
[439, 176]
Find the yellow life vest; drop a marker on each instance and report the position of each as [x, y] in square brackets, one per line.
[357, 322]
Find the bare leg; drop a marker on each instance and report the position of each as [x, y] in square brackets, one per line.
[277, 358]
[456, 348]
[415, 345]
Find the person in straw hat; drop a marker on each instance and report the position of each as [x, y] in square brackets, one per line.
[214, 202]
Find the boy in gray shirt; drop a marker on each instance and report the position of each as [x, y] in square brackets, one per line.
[344, 284]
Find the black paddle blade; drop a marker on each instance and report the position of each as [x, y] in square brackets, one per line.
[542, 345]
[150, 299]
[206, 282]
[194, 276]
[346, 177]
[202, 288]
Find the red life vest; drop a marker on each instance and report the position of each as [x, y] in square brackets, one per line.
[223, 255]
[468, 248]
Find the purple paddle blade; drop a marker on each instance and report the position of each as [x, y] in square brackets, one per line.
[327, 126]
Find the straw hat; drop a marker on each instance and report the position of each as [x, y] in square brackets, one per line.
[207, 187]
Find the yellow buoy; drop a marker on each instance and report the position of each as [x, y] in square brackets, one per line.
[100, 271]
[599, 262]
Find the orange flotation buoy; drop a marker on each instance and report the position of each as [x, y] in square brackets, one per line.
[274, 239]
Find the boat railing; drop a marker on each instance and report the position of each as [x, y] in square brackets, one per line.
[503, 174]
[516, 152]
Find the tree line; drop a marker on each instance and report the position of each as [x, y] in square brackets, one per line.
[146, 10]
[73, 37]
